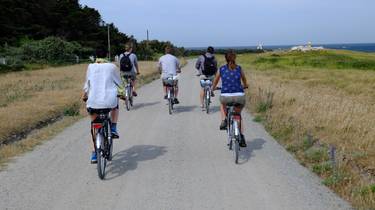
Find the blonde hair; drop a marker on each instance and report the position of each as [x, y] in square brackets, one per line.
[128, 46]
[101, 60]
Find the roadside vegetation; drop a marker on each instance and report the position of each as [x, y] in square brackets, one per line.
[321, 107]
[48, 99]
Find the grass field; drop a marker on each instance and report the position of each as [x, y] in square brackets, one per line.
[321, 107]
[32, 99]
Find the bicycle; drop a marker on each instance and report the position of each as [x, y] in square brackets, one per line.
[101, 128]
[207, 84]
[127, 80]
[171, 83]
[234, 129]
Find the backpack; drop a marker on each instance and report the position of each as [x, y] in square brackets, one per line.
[126, 64]
[209, 65]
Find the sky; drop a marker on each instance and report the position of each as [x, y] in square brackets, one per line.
[199, 23]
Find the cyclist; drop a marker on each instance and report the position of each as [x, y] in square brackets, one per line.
[100, 92]
[129, 65]
[207, 67]
[169, 66]
[232, 90]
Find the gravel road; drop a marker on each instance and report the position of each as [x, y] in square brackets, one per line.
[164, 162]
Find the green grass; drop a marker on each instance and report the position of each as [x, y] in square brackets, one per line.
[327, 59]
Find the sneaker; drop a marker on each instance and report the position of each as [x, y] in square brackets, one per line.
[176, 101]
[94, 159]
[243, 141]
[135, 94]
[202, 107]
[212, 94]
[114, 134]
[223, 125]
[166, 97]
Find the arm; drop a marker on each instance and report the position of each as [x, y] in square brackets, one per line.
[136, 64]
[116, 77]
[216, 80]
[244, 80]
[178, 66]
[86, 86]
[198, 63]
[160, 67]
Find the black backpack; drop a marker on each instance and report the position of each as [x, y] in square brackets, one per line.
[209, 65]
[126, 64]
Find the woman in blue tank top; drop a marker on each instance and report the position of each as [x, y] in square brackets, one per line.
[232, 90]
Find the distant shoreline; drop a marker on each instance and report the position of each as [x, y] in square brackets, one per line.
[361, 47]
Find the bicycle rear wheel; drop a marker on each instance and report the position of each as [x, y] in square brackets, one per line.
[127, 98]
[236, 150]
[207, 99]
[170, 106]
[100, 154]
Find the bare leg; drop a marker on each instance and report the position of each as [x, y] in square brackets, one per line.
[134, 82]
[93, 117]
[176, 91]
[114, 115]
[223, 109]
[201, 96]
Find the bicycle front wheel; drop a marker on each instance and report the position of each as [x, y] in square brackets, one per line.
[102, 162]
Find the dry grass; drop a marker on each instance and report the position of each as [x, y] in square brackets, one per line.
[333, 107]
[30, 98]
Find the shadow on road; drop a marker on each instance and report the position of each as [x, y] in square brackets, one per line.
[247, 153]
[142, 105]
[128, 159]
[181, 109]
[214, 109]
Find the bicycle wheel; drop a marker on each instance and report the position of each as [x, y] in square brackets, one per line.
[170, 106]
[102, 162]
[127, 99]
[236, 149]
[110, 143]
[207, 99]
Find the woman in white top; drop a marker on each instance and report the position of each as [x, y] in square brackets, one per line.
[100, 91]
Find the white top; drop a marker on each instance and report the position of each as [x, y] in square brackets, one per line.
[169, 65]
[232, 94]
[102, 81]
[133, 58]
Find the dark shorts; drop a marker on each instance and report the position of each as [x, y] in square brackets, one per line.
[93, 111]
[167, 82]
[130, 75]
[240, 100]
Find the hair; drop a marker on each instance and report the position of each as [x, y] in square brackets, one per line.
[101, 60]
[230, 57]
[168, 50]
[128, 46]
[210, 50]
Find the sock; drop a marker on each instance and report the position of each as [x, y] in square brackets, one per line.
[114, 127]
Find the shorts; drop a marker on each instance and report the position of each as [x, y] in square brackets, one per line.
[93, 111]
[169, 82]
[130, 75]
[206, 80]
[240, 100]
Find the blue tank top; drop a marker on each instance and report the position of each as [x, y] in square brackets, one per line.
[231, 80]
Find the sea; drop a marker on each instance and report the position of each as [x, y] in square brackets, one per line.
[363, 47]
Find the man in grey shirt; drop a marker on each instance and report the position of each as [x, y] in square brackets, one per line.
[134, 62]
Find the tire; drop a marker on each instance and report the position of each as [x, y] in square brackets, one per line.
[110, 143]
[207, 99]
[127, 99]
[236, 149]
[170, 105]
[102, 162]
